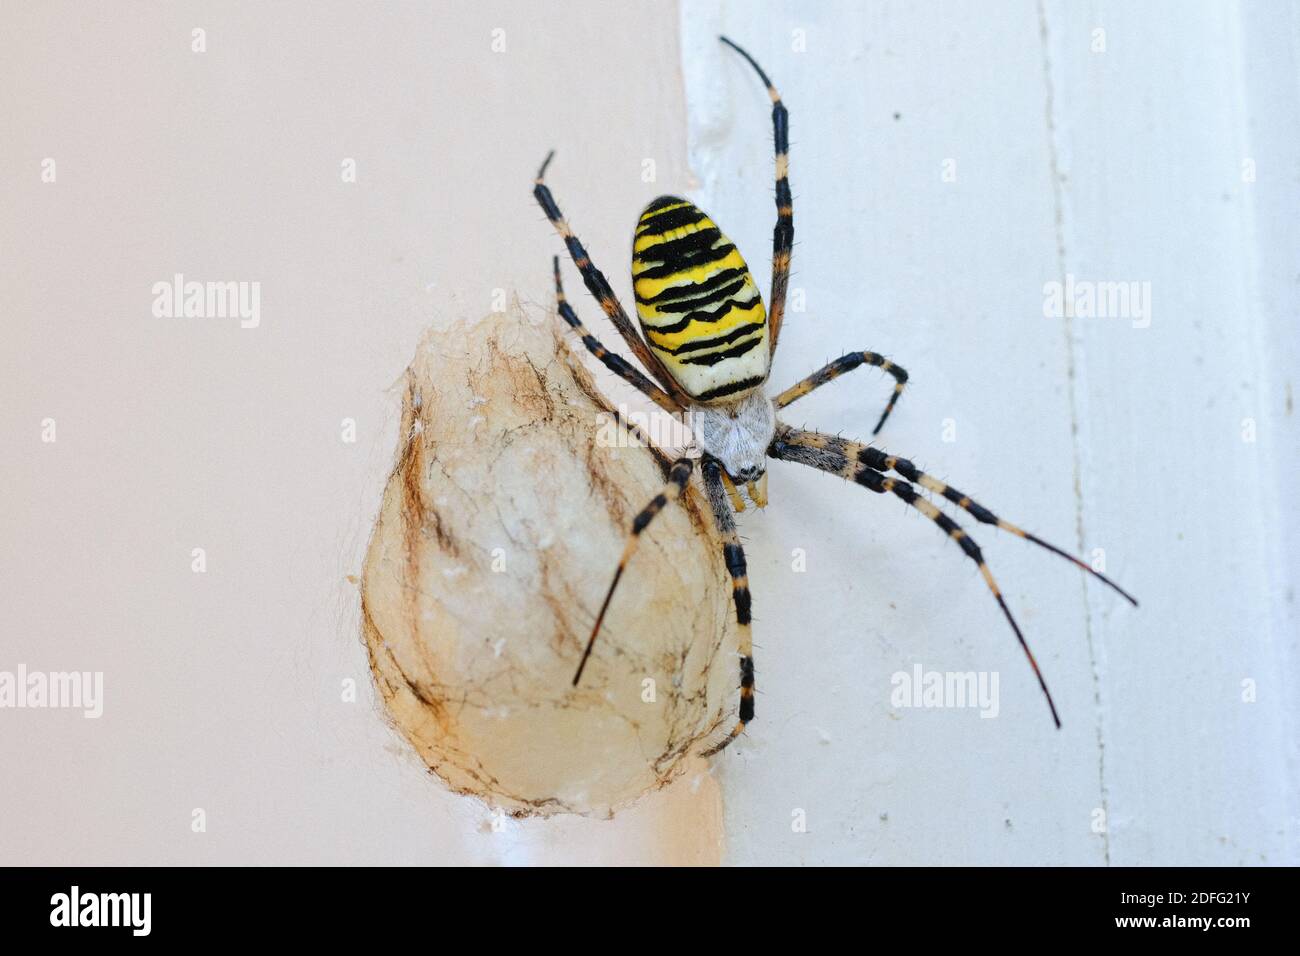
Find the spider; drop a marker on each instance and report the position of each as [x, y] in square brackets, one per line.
[708, 342]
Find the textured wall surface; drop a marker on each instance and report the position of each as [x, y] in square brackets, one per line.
[948, 161]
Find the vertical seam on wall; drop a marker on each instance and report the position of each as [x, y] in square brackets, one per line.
[1072, 390]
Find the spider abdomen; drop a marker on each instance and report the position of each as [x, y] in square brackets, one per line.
[700, 309]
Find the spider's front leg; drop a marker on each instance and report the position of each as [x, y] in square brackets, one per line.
[734, 555]
[678, 475]
[868, 466]
[881, 461]
[842, 457]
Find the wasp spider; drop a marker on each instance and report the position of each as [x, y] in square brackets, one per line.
[708, 344]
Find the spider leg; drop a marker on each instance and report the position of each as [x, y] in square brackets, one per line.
[737, 502]
[598, 286]
[734, 555]
[882, 461]
[638, 433]
[783, 233]
[611, 360]
[678, 476]
[847, 363]
[833, 458]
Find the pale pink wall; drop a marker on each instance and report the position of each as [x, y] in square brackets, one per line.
[222, 689]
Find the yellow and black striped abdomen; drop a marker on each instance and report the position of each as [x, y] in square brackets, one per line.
[700, 309]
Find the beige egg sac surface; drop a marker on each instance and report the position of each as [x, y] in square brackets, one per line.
[500, 529]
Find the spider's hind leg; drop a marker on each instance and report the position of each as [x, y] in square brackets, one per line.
[783, 231]
[734, 555]
[599, 287]
[611, 360]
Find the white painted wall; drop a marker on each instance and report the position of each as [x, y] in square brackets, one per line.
[1125, 164]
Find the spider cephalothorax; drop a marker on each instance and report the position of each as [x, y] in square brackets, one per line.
[737, 435]
[708, 343]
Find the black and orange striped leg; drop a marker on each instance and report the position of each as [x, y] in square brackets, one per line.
[833, 455]
[882, 461]
[783, 233]
[847, 363]
[734, 555]
[611, 360]
[599, 287]
[678, 475]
